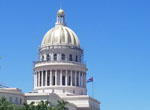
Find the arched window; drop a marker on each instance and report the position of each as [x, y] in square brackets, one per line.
[76, 58]
[43, 58]
[70, 57]
[55, 57]
[48, 58]
[63, 57]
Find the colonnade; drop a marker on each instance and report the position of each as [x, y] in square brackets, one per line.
[46, 78]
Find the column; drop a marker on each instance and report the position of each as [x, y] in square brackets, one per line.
[79, 78]
[50, 77]
[66, 78]
[35, 78]
[71, 77]
[60, 77]
[84, 79]
[39, 79]
[46, 78]
[75, 72]
[55, 77]
[42, 79]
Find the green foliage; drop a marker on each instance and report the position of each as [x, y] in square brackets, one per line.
[43, 105]
[5, 105]
[62, 105]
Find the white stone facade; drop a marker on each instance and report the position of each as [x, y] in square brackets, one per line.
[13, 95]
[60, 72]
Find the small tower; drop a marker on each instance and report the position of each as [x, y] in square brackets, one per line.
[60, 17]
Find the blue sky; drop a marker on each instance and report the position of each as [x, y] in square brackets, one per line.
[115, 36]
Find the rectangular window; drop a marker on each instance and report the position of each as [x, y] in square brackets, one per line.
[20, 101]
[10, 99]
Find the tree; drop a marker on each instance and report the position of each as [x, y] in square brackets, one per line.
[43, 105]
[62, 105]
[5, 105]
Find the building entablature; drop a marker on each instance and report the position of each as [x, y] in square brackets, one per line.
[60, 65]
[11, 91]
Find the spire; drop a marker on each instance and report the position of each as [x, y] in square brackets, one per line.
[60, 17]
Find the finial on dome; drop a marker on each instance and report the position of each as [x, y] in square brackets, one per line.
[60, 17]
[61, 12]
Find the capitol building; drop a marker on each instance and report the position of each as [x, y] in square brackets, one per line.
[59, 73]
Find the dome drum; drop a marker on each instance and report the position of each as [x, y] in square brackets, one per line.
[61, 54]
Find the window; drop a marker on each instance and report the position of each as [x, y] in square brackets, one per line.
[63, 57]
[55, 57]
[48, 58]
[20, 101]
[10, 99]
[42, 58]
[16, 100]
[70, 57]
[76, 58]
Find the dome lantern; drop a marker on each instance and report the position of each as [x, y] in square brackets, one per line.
[60, 17]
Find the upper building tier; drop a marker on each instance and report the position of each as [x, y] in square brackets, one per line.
[60, 34]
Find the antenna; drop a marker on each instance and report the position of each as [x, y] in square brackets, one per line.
[60, 4]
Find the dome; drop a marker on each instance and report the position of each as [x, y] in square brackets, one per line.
[60, 34]
[61, 12]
